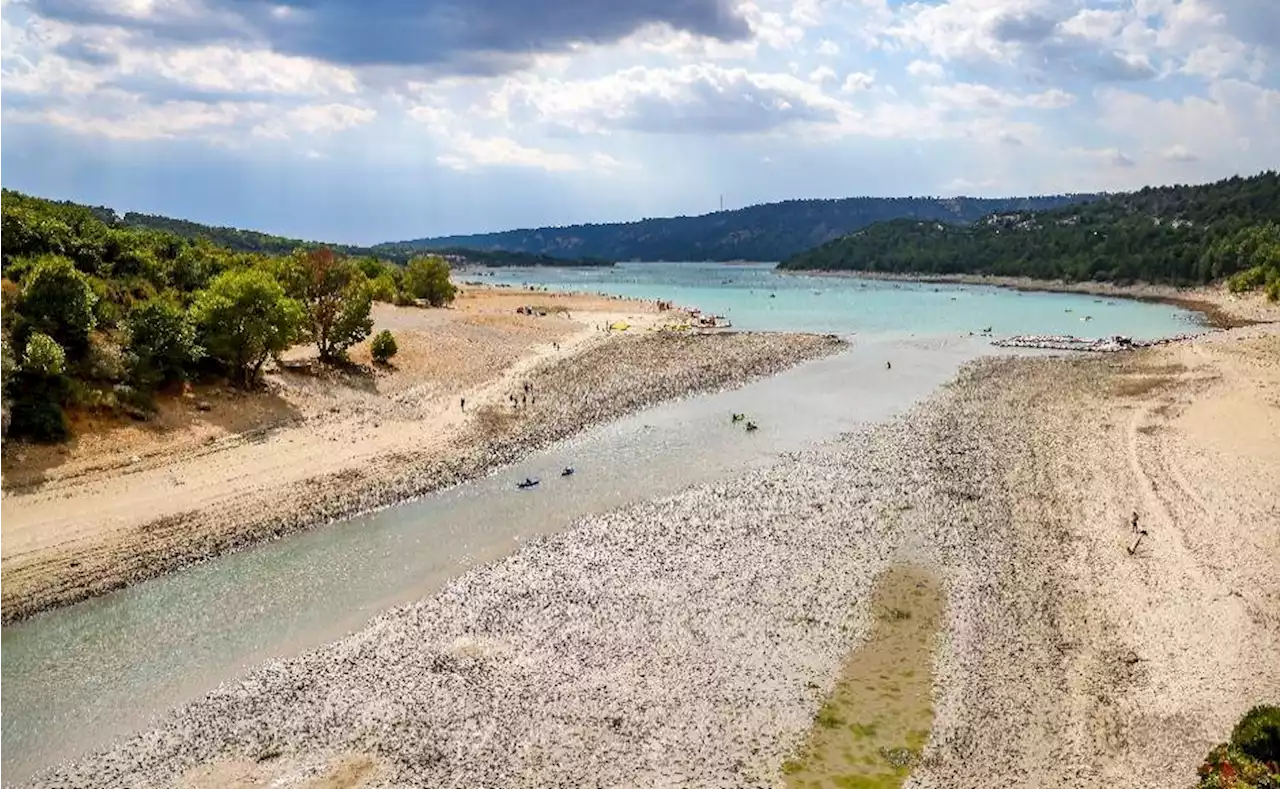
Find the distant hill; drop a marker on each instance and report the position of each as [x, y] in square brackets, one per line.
[1173, 234]
[265, 243]
[772, 231]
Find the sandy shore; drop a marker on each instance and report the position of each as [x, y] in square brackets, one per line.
[690, 641]
[1222, 309]
[219, 470]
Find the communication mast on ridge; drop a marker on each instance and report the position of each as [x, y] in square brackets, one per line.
[721, 202]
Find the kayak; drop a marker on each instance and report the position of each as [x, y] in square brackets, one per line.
[528, 483]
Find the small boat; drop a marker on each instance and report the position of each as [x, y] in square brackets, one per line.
[568, 472]
[738, 417]
[528, 483]
[751, 426]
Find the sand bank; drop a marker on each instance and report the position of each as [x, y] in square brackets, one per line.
[220, 470]
[690, 641]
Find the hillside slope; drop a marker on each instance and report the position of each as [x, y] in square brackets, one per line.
[1178, 235]
[772, 231]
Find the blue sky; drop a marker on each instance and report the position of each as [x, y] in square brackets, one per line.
[377, 120]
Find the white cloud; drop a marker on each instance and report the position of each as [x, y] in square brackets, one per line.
[696, 98]
[857, 81]
[469, 152]
[315, 119]
[822, 74]
[828, 48]
[925, 69]
[971, 96]
[1178, 153]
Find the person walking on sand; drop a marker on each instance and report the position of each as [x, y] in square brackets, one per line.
[888, 365]
[464, 404]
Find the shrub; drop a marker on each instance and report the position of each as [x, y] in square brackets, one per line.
[162, 342]
[43, 356]
[57, 300]
[1258, 733]
[428, 278]
[243, 318]
[1252, 759]
[382, 288]
[39, 390]
[383, 347]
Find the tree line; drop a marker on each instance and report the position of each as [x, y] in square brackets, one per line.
[101, 315]
[1180, 235]
[772, 231]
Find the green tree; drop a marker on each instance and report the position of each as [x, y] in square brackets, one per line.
[428, 278]
[336, 299]
[162, 342]
[38, 391]
[243, 318]
[383, 347]
[59, 301]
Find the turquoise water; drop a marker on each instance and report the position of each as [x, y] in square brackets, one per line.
[755, 296]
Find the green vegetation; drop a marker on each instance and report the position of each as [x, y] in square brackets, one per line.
[99, 314]
[1180, 235]
[244, 317]
[253, 241]
[1251, 760]
[762, 232]
[427, 278]
[383, 347]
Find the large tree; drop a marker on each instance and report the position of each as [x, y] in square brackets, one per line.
[336, 298]
[428, 278]
[244, 317]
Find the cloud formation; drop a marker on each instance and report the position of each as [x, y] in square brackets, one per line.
[454, 36]
[634, 106]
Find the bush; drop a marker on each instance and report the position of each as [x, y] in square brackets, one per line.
[1258, 733]
[43, 356]
[39, 390]
[382, 288]
[243, 318]
[383, 347]
[428, 278]
[1252, 759]
[57, 300]
[162, 343]
[33, 417]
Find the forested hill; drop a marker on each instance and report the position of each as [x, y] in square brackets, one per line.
[236, 240]
[1176, 234]
[772, 231]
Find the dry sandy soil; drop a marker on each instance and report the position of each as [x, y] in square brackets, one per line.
[85, 516]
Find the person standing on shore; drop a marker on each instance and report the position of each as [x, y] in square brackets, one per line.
[464, 404]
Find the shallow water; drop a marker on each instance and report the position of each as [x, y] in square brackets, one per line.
[75, 678]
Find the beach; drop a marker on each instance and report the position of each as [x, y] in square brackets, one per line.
[217, 470]
[1104, 530]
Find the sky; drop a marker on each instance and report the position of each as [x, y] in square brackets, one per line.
[375, 120]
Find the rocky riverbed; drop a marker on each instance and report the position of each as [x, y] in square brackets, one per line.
[689, 641]
[684, 641]
[604, 380]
